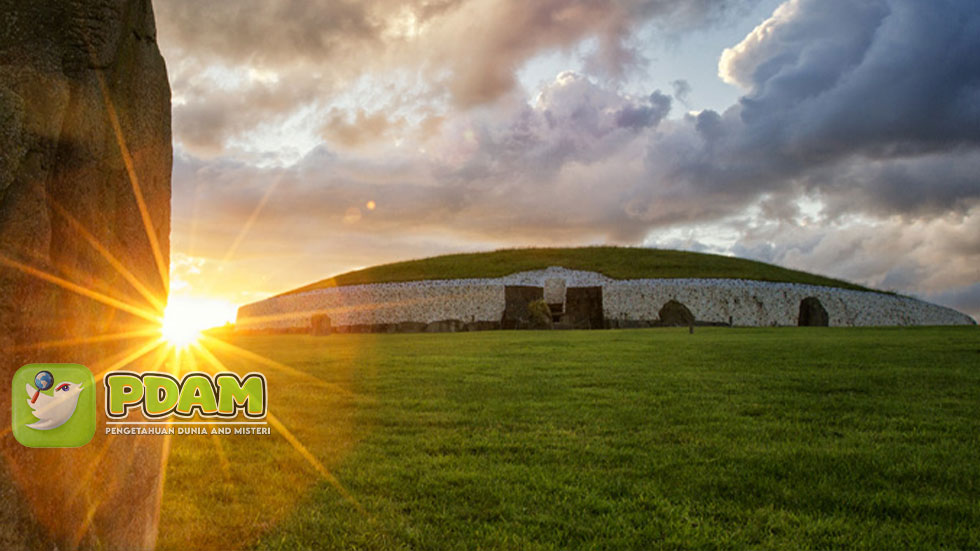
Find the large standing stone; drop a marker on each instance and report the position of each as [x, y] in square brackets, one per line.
[84, 138]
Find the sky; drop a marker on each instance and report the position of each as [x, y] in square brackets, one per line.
[316, 137]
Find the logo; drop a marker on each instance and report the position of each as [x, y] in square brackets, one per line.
[161, 395]
[53, 405]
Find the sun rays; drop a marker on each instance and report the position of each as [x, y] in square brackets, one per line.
[81, 290]
[177, 350]
[159, 338]
[127, 159]
[156, 350]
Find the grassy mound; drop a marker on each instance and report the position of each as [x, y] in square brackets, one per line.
[614, 262]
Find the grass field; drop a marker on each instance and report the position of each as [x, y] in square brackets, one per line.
[615, 262]
[728, 438]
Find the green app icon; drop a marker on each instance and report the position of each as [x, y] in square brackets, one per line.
[53, 405]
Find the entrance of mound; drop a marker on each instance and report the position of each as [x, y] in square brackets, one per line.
[570, 307]
[812, 313]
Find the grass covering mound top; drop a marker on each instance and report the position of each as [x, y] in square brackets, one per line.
[614, 262]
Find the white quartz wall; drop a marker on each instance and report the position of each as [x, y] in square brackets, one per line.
[752, 303]
[422, 301]
[758, 303]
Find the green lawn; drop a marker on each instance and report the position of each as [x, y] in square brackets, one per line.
[615, 262]
[729, 438]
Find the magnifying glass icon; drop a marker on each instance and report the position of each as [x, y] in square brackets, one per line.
[43, 381]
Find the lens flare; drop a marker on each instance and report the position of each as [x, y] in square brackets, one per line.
[186, 317]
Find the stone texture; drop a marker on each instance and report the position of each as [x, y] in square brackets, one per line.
[411, 327]
[539, 315]
[812, 313]
[320, 325]
[516, 314]
[675, 314]
[583, 308]
[445, 326]
[554, 290]
[483, 325]
[84, 106]
[623, 302]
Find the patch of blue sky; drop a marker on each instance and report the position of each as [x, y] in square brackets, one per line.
[692, 57]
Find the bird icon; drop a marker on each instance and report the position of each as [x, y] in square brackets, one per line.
[53, 411]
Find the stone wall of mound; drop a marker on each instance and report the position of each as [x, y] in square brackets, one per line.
[756, 303]
[387, 303]
[740, 302]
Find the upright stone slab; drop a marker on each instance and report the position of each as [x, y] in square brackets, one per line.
[84, 139]
[516, 298]
[554, 292]
[583, 307]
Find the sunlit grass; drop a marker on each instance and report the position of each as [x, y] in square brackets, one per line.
[225, 491]
[813, 438]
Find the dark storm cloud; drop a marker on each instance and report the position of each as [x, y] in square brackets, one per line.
[875, 103]
[648, 114]
[888, 79]
[918, 186]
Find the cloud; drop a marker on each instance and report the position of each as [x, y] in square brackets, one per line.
[884, 78]
[362, 129]
[643, 116]
[236, 64]
[516, 172]
[682, 90]
[926, 258]
[964, 299]
[853, 151]
[268, 34]
[875, 103]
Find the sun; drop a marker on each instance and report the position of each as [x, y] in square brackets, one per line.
[186, 317]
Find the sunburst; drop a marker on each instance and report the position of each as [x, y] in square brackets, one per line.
[179, 342]
[170, 339]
